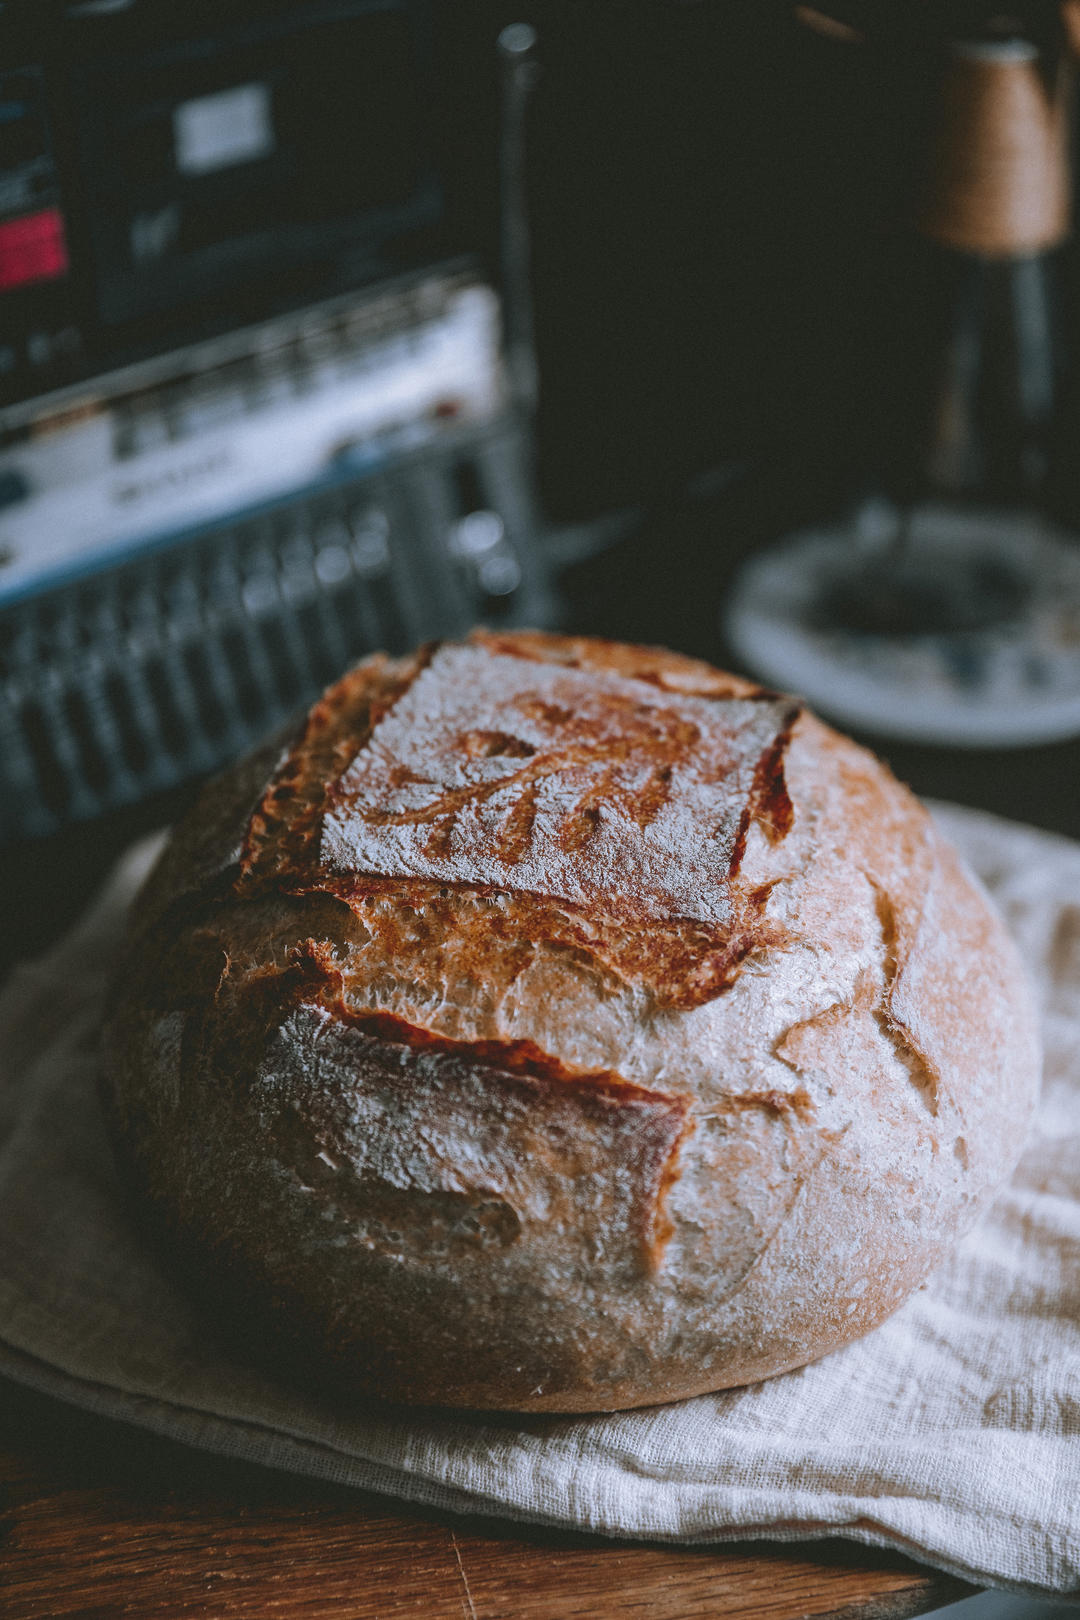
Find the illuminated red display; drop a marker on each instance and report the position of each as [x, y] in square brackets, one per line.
[32, 248]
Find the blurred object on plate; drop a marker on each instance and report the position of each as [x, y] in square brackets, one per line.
[947, 608]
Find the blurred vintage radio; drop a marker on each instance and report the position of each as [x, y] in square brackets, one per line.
[255, 420]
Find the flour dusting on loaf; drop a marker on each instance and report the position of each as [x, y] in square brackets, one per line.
[569, 783]
[560, 1025]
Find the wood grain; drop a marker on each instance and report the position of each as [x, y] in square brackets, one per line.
[103, 1522]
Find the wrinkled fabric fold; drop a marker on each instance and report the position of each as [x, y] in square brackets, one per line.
[952, 1433]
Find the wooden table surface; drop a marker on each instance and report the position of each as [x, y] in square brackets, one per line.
[99, 1521]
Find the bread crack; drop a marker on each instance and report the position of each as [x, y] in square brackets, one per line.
[922, 1073]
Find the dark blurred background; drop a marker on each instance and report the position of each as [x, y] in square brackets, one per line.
[255, 420]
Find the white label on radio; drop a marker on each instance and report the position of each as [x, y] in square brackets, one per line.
[84, 505]
[233, 126]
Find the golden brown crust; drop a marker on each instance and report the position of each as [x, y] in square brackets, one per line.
[562, 1025]
[286, 822]
[615, 760]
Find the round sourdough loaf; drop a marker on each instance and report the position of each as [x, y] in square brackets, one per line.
[560, 1025]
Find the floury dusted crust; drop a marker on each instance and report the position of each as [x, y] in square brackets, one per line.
[562, 1026]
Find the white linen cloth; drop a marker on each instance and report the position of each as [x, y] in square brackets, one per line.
[951, 1433]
